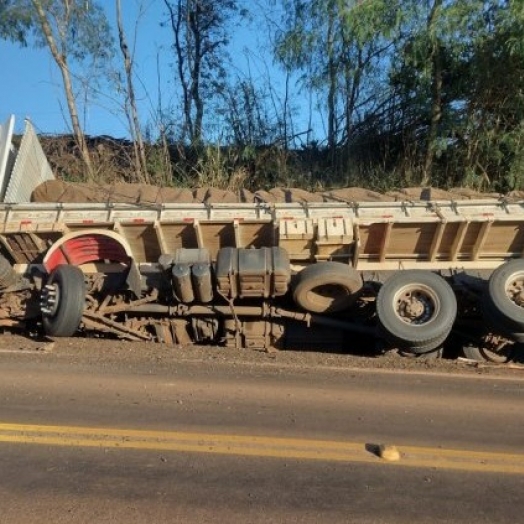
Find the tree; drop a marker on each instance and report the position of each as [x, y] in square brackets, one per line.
[338, 47]
[200, 38]
[455, 75]
[15, 21]
[130, 101]
[428, 74]
[493, 128]
[73, 31]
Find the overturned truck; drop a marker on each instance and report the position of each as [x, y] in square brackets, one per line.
[258, 274]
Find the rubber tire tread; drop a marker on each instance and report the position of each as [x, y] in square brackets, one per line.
[420, 349]
[432, 354]
[417, 338]
[8, 276]
[496, 320]
[66, 320]
[322, 274]
[475, 353]
[498, 309]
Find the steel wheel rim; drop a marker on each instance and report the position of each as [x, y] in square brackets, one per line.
[501, 356]
[514, 289]
[416, 304]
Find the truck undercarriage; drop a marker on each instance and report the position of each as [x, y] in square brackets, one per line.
[407, 275]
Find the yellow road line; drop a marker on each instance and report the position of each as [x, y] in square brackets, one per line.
[258, 446]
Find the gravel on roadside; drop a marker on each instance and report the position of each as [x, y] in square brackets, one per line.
[157, 356]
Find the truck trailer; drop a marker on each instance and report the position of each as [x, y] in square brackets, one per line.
[407, 274]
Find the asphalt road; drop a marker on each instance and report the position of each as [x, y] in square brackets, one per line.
[90, 436]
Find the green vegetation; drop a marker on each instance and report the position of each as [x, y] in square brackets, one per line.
[410, 92]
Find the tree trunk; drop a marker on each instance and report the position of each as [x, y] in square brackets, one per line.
[436, 97]
[61, 61]
[131, 109]
[196, 71]
[332, 89]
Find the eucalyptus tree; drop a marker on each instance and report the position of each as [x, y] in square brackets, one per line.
[15, 21]
[74, 32]
[340, 48]
[429, 74]
[200, 39]
[456, 73]
[130, 102]
[494, 128]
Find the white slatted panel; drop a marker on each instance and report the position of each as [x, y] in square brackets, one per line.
[7, 153]
[31, 168]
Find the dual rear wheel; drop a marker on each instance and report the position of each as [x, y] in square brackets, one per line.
[416, 310]
[503, 301]
[503, 309]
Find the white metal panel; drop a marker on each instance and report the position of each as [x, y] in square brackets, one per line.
[31, 168]
[7, 153]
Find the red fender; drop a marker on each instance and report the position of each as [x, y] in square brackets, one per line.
[82, 247]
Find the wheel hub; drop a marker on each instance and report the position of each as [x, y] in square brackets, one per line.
[50, 299]
[515, 292]
[415, 307]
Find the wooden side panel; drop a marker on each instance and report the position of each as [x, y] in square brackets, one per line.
[256, 234]
[404, 240]
[216, 235]
[459, 240]
[178, 236]
[504, 239]
[411, 241]
[143, 241]
[470, 238]
[473, 234]
[448, 237]
[371, 239]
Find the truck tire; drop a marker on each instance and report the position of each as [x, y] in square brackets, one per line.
[503, 302]
[327, 287]
[63, 301]
[8, 276]
[416, 310]
[430, 355]
[481, 354]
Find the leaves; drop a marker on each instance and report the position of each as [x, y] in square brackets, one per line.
[417, 90]
[200, 37]
[15, 21]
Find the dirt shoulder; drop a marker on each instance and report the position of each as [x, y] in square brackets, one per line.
[162, 357]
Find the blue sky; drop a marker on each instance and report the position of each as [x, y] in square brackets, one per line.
[31, 84]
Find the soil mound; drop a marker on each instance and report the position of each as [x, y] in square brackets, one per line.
[64, 192]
